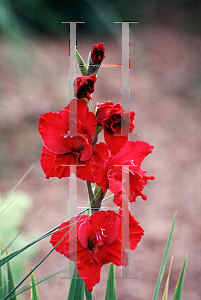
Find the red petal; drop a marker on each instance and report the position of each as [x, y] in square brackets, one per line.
[106, 222]
[63, 161]
[90, 273]
[111, 253]
[57, 236]
[99, 156]
[134, 234]
[84, 172]
[102, 111]
[52, 127]
[132, 153]
[115, 143]
[87, 120]
[70, 232]
[48, 162]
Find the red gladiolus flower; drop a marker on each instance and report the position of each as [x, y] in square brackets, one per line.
[107, 169]
[84, 86]
[98, 53]
[94, 243]
[115, 120]
[62, 146]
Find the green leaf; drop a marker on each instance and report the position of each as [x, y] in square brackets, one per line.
[2, 282]
[34, 290]
[163, 264]
[111, 284]
[76, 291]
[2, 288]
[165, 294]
[48, 233]
[26, 287]
[81, 64]
[42, 260]
[11, 285]
[88, 294]
[179, 286]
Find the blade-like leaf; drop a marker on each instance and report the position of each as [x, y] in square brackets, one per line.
[34, 290]
[18, 183]
[11, 285]
[163, 264]
[42, 260]
[2, 284]
[27, 287]
[88, 294]
[111, 284]
[81, 64]
[12, 241]
[2, 287]
[76, 291]
[48, 233]
[7, 207]
[179, 286]
[165, 294]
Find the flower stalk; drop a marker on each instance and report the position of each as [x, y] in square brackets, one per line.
[113, 164]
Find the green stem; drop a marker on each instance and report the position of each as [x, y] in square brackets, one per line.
[96, 197]
[91, 197]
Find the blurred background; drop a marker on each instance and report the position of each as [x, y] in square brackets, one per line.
[165, 93]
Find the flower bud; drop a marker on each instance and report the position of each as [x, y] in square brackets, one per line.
[84, 86]
[95, 58]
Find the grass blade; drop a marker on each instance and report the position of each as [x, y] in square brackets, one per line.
[163, 264]
[179, 286]
[11, 285]
[7, 206]
[26, 287]
[48, 233]
[18, 285]
[2, 282]
[18, 183]
[2, 287]
[12, 241]
[111, 284]
[165, 294]
[76, 291]
[34, 290]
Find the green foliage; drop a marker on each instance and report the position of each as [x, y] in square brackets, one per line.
[76, 291]
[17, 204]
[179, 287]
[6, 282]
[111, 284]
[11, 284]
[165, 294]
[163, 264]
[26, 287]
[88, 294]
[2, 283]
[34, 290]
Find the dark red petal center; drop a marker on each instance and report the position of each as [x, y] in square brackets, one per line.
[95, 240]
